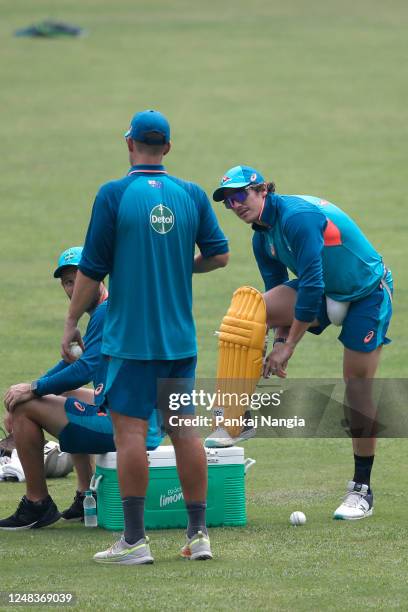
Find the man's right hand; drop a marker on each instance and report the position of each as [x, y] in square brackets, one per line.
[71, 334]
[17, 394]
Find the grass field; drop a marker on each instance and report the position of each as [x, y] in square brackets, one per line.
[313, 94]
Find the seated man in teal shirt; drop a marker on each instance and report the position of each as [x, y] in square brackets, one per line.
[58, 403]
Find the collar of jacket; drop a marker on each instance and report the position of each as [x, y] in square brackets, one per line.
[268, 213]
[153, 168]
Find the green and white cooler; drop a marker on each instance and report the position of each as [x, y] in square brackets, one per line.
[164, 501]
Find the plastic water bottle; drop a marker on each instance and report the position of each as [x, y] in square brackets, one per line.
[90, 517]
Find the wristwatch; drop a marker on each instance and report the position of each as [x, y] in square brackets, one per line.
[277, 340]
[33, 387]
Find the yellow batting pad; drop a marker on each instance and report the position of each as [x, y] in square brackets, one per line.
[240, 345]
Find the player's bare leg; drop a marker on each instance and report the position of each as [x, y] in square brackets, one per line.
[192, 470]
[85, 467]
[362, 366]
[84, 464]
[191, 465]
[359, 370]
[36, 509]
[130, 442]
[130, 439]
[29, 420]
[280, 307]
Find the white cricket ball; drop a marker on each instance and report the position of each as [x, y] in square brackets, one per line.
[75, 350]
[297, 518]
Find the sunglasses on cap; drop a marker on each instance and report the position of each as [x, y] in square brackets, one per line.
[238, 196]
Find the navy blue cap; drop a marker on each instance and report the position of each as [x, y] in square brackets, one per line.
[150, 127]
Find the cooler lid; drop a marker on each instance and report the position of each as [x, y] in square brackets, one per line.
[232, 454]
[165, 455]
[231, 451]
[162, 452]
[167, 450]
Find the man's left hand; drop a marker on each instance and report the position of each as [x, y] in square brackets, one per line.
[17, 394]
[277, 360]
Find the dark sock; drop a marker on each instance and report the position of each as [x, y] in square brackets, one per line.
[133, 510]
[362, 469]
[196, 518]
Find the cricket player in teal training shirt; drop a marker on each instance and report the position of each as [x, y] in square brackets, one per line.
[143, 232]
[341, 279]
[58, 402]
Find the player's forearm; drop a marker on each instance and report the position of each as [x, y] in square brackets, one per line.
[85, 295]
[61, 365]
[73, 376]
[207, 264]
[297, 331]
[281, 332]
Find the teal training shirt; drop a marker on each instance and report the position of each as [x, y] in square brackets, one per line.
[143, 232]
[321, 245]
[352, 268]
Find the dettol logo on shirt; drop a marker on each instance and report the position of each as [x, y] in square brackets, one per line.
[162, 219]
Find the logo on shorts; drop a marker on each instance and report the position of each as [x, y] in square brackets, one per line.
[369, 337]
[79, 406]
[162, 219]
[99, 389]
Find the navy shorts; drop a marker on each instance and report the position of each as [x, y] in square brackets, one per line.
[89, 429]
[135, 388]
[366, 323]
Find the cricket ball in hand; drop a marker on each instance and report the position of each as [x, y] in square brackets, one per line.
[297, 518]
[75, 350]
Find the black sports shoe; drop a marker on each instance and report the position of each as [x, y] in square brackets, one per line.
[32, 515]
[76, 510]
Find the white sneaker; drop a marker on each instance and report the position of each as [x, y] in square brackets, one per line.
[357, 504]
[4, 459]
[123, 553]
[13, 470]
[220, 437]
[197, 547]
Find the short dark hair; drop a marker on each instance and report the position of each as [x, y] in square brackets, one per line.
[270, 187]
[155, 146]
